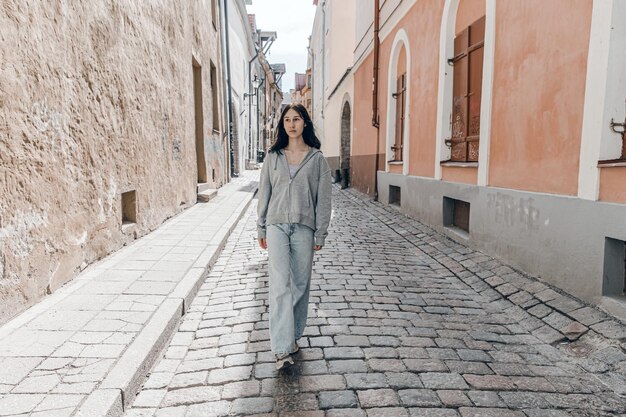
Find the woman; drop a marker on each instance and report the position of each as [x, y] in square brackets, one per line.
[294, 212]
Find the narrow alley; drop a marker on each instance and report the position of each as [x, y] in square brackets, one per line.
[402, 322]
[470, 155]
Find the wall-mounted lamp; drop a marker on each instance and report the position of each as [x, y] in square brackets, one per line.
[255, 87]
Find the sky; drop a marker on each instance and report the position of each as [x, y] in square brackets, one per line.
[292, 20]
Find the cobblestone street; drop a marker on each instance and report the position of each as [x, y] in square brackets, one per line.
[402, 322]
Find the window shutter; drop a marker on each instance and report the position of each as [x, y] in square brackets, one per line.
[468, 74]
[459, 103]
[476, 54]
[403, 101]
[400, 109]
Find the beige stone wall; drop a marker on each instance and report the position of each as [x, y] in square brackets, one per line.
[96, 99]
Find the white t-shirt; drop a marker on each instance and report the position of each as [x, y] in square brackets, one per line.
[292, 170]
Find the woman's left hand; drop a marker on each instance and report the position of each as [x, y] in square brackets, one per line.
[317, 247]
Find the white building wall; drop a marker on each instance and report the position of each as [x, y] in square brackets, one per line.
[615, 104]
[339, 45]
[241, 52]
[317, 74]
[605, 95]
[364, 18]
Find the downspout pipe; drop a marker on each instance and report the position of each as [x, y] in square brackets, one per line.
[324, 63]
[224, 133]
[258, 109]
[250, 99]
[312, 81]
[267, 98]
[375, 118]
[231, 135]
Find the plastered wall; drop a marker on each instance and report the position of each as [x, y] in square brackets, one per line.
[96, 99]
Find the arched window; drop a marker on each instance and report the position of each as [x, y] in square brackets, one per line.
[465, 84]
[466, 95]
[400, 97]
[398, 104]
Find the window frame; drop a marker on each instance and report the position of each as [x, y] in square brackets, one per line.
[400, 97]
[467, 81]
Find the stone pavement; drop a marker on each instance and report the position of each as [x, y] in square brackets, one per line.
[403, 322]
[86, 349]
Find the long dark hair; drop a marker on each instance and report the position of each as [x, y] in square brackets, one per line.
[308, 134]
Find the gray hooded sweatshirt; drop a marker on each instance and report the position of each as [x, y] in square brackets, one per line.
[303, 199]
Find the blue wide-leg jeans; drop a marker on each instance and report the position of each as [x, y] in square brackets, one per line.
[290, 249]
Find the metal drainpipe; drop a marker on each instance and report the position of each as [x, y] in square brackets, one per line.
[312, 79]
[250, 97]
[257, 109]
[226, 170]
[323, 57]
[375, 117]
[267, 104]
[230, 93]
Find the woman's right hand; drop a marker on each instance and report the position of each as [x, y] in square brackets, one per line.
[263, 243]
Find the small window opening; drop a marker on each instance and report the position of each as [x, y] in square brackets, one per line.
[456, 214]
[614, 276]
[129, 207]
[395, 195]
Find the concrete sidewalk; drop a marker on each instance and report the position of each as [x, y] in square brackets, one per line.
[86, 349]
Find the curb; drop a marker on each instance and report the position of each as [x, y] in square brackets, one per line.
[119, 388]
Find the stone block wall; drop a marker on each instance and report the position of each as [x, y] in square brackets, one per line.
[97, 99]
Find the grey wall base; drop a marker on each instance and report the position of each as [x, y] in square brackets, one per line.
[560, 240]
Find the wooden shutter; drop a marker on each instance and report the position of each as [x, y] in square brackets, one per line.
[459, 100]
[468, 75]
[400, 109]
[476, 53]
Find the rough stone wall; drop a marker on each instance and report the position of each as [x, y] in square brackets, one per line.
[96, 99]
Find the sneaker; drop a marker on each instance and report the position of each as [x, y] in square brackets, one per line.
[283, 361]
